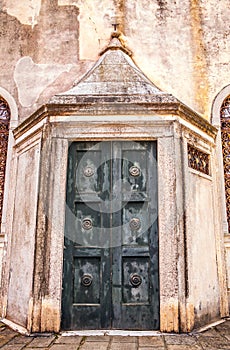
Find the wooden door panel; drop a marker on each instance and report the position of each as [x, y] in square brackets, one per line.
[135, 223]
[135, 280]
[134, 169]
[88, 177]
[111, 237]
[87, 281]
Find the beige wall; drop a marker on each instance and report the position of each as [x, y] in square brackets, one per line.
[23, 238]
[201, 247]
[181, 45]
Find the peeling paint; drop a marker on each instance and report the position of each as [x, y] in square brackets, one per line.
[95, 20]
[179, 43]
[34, 78]
[26, 14]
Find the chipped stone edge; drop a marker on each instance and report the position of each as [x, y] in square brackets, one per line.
[15, 327]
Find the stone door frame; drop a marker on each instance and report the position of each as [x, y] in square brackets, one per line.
[51, 134]
[45, 311]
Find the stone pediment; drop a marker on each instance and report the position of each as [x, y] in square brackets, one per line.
[114, 73]
[116, 86]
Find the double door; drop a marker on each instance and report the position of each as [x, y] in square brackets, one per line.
[110, 273]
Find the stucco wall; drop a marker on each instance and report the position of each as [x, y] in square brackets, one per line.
[181, 45]
[203, 284]
[22, 248]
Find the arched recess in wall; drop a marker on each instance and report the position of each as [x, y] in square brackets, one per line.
[225, 138]
[4, 135]
[8, 121]
[221, 120]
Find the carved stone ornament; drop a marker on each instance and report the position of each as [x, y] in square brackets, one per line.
[198, 160]
[225, 135]
[4, 132]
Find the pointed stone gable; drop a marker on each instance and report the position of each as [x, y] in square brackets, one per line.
[114, 73]
[113, 86]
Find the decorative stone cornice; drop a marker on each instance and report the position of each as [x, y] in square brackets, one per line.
[117, 105]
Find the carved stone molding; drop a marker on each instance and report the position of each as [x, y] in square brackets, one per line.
[198, 160]
[225, 136]
[4, 133]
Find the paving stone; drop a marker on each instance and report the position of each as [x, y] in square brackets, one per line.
[180, 339]
[123, 346]
[183, 347]
[216, 338]
[37, 348]
[211, 333]
[6, 335]
[151, 341]
[227, 336]
[152, 348]
[73, 346]
[94, 346]
[13, 347]
[7, 331]
[98, 338]
[41, 342]
[120, 339]
[223, 326]
[213, 343]
[224, 330]
[68, 340]
[21, 339]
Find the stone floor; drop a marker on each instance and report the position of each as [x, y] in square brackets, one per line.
[216, 337]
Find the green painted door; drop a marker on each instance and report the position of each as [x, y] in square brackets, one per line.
[110, 274]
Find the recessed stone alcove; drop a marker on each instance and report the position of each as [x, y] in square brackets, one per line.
[114, 101]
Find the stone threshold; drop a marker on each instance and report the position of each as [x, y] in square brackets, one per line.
[109, 332]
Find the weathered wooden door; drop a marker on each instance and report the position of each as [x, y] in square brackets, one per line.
[110, 275]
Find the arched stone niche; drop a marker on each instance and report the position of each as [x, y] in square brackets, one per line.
[115, 101]
[4, 130]
[216, 121]
[11, 124]
[9, 107]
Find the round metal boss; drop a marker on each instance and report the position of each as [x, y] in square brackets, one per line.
[87, 224]
[86, 280]
[88, 171]
[135, 224]
[135, 280]
[134, 171]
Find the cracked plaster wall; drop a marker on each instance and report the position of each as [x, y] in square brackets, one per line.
[181, 45]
